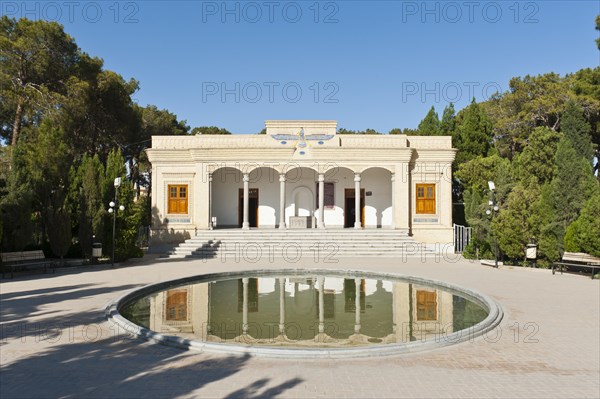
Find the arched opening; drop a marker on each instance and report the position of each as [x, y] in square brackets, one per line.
[377, 183]
[302, 201]
[264, 184]
[342, 213]
[301, 193]
[226, 185]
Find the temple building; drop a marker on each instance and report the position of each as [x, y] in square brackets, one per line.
[302, 175]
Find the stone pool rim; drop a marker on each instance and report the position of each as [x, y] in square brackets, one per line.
[493, 319]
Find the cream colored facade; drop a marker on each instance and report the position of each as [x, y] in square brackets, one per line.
[302, 169]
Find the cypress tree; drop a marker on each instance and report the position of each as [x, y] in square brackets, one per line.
[577, 130]
[430, 125]
[583, 235]
[448, 123]
[572, 186]
[536, 162]
[473, 134]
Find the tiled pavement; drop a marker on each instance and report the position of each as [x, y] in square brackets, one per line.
[57, 343]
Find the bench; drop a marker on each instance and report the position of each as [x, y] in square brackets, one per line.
[577, 260]
[25, 260]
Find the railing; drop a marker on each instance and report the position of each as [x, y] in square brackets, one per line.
[462, 237]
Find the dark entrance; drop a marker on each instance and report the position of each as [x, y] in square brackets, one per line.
[252, 207]
[349, 207]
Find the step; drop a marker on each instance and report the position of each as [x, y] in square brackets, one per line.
[251, 252]
[275, 243]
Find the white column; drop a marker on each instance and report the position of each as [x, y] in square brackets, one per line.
[282, 306]
[321, 281]
[321, 201]
[394, 308]
[198, 197]
[401, 189]
[210, 200]
[357, 210]
[245, 306]
[282, 201]
[357, 306]
[246, 224]
[393, 226]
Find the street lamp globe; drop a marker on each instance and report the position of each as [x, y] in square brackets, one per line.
[488, 212]
[110, 210]
[111, 204]
[122, 208]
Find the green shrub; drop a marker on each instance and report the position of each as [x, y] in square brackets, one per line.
[484, 247]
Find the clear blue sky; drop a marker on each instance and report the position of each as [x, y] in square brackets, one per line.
[385, 62]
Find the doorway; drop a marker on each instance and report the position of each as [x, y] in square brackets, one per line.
[252, 207]
[350, 209]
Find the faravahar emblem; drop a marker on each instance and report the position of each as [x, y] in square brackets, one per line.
[303, 141]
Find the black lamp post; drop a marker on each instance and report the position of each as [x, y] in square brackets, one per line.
[493, 208]
[112, 210]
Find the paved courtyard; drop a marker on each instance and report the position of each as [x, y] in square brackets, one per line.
[56, 342]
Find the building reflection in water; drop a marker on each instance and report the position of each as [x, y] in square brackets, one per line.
[306, 311]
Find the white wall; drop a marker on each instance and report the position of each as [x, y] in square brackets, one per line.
[433, 228]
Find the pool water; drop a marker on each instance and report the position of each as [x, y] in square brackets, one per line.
[305, 311]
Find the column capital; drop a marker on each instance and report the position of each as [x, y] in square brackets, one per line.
[321, 177]
[357, 177]
[210, 177]
[246, 177]
[393, 178]
[282, 178]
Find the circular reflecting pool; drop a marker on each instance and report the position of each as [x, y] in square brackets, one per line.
[303, 309]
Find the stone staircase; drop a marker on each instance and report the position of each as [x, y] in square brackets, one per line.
[291, 245]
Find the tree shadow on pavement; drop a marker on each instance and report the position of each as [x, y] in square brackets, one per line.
[252, 391]
[110, 368]
[29, 313]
